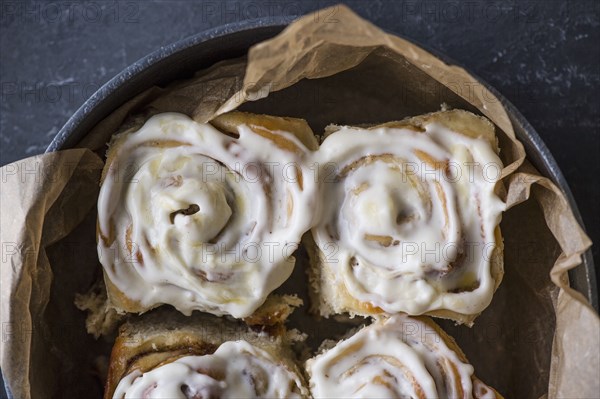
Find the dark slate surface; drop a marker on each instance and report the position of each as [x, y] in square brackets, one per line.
[544, 56]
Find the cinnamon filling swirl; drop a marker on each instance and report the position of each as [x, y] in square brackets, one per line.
[195, 218]
[236, 369]
[412, 215]
[400, 357]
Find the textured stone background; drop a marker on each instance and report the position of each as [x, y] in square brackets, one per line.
[544, 56]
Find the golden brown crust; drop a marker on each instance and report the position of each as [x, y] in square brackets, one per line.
[457, 120]
[275, 311]
[268, 125]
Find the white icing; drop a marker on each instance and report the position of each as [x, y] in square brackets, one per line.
[213, 219]
[407, 232]
[398, 357]
[410, 216]
[237, 369]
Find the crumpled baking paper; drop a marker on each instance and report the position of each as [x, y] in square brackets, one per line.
[538, 338]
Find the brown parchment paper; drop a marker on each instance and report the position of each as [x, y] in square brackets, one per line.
[538, 337]
[42, 200]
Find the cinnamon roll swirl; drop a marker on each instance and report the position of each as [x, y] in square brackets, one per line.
[203, 216]
[162, 356]
[408, 218]
[399, 357]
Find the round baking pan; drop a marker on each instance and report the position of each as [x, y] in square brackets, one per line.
[183, 58]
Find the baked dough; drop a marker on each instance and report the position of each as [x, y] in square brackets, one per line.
[409, 218]
[204, 216]
[399, 357]
[163, 353]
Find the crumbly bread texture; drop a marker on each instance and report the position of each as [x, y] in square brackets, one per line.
[164, 335]
[275, 311]
[330, 298]
[229, 123]
[103, 319]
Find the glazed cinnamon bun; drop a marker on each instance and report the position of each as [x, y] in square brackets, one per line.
[409, 218]
[399, 357]
[204, 216]
[170, 356]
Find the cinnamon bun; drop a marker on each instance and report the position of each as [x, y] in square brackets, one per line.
[163, 355]
[399, 357]
[204, 216]
[409, 218]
